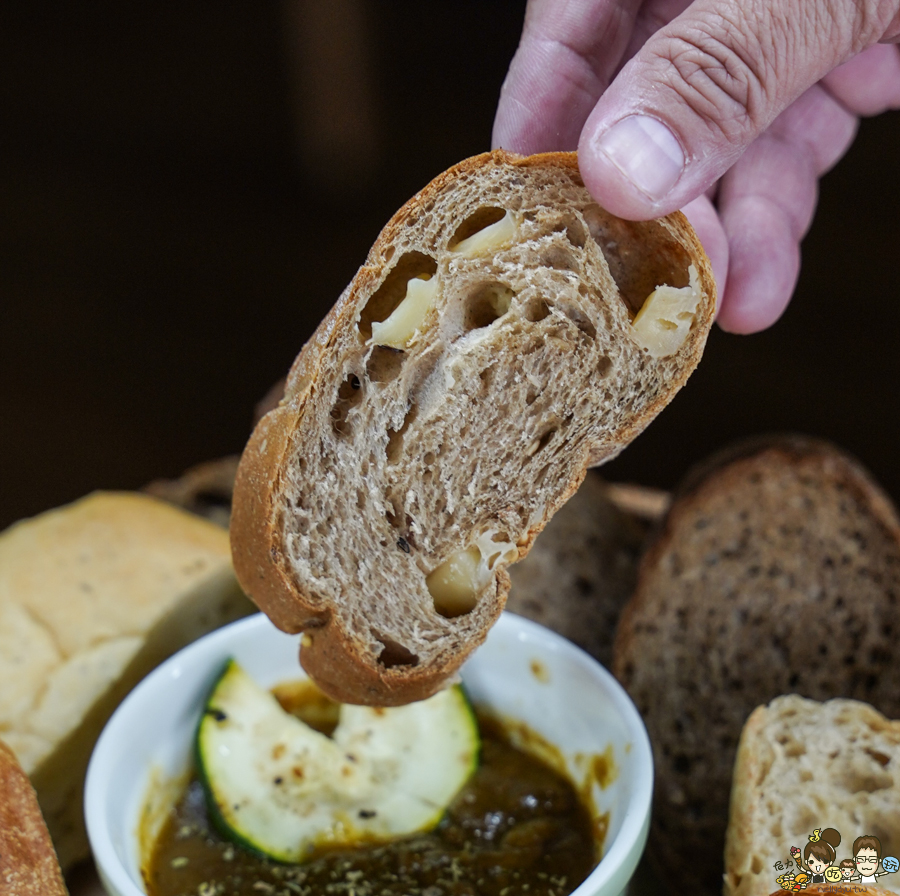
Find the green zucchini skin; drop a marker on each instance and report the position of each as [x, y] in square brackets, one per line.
[282, 789]
[212, 806]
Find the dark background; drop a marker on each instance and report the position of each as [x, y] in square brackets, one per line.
[185, 188]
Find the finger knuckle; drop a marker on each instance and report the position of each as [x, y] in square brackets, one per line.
[871, 20]
[721, 74]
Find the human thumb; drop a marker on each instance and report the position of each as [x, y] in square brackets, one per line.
[703, 87]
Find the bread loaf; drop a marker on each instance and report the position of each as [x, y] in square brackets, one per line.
[801, 765]
[582, 569]
[28, 865]
[504, 334]
[777, 571]
[92, 597]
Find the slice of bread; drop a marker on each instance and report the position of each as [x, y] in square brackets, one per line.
[803, 765]
[92, 597]
[777, 570]
[28, 865]
[586, 557]
[499, 339]
[582, 569]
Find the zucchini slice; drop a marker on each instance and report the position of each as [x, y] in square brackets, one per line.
[283, 789]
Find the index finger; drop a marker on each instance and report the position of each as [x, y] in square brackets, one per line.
[568, 54]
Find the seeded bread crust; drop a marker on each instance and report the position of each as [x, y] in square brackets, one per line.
[378, 465]
[777, 570]
[28, 865]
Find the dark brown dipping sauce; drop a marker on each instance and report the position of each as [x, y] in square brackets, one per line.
[517, 828]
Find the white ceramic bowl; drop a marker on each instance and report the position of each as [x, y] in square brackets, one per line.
[522, 672]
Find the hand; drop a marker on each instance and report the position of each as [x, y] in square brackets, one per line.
[729, 109]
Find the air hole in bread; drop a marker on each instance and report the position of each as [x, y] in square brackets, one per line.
[384, 363]
[559, 258]
[857, 781]
[620, 242]
[536, 310]
[486, 376]
[349, 395]
[396, 518]
[454, 584]
[573, 230]
[604, 366]
[475, 223]
[756, 865]
[575, 233]
[880, 758]
[394, 448]
[541, 443]
[581, 320]
[393, 289]
[395, 654]
[488, 303]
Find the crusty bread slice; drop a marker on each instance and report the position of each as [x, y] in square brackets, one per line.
[93, 596]
[431, 427]
[28, 865]
[777, 570]
[582, 569]
[586, 557]
[803, 765]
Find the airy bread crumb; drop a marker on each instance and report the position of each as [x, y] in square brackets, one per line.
[518, 370]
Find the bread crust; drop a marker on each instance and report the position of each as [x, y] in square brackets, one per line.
[330, 653]
[28, 865]
[694, 689]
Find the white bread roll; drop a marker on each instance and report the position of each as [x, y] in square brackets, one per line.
[92, 597]
[803, 765]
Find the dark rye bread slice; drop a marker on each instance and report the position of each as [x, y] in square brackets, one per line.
[582, 569]
[777, 571]
[377, 507]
